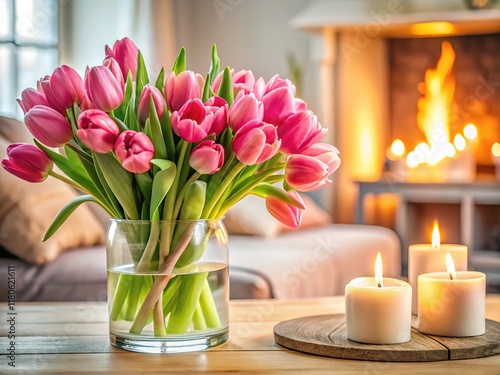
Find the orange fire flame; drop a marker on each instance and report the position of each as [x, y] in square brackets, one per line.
[435, 106]
[434, 111]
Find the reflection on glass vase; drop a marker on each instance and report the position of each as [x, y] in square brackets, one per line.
[168, 285]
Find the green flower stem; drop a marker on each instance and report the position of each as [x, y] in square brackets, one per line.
[208, 307]
[68, 181]
[169, 306]
[198, 318]
[147, 255]
[190, 291]
[158, 319]
[133, 295]
[121, 292]
[168, 208]
[244, 190]
[220, 191]
[159, 284]
[170, 291]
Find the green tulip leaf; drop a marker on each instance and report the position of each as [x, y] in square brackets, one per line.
[141, 77]
[162, 163]
[65, 212]
[131, 117]
[226, 87]
[207, 90]
[145, 184]
[168, 134]
[160, 80]
[214, 66]
[121, 125]
[120, 182]
[127, 96]
[161, 185]
[74, 171]
[179, 64]
[156, 132]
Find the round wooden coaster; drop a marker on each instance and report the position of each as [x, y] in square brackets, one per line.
[325, 335]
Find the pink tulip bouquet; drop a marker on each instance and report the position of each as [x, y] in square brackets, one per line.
[182, 146]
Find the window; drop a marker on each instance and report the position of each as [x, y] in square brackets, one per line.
[28, 48]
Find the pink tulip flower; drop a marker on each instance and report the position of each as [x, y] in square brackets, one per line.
[284, 212]
[181, 88]
[48, 126]
[278, 105]
[259, 88]
[67, 86]
[219, 108]
[27, 162]
[113, 66]
[326, 153]
[148, 92]
[255, 142]
[87, 104]
[299, 131]
[103, 88]
[306, 173]
[43, 87]
[300, 105]
[125, 52]
[207, 157]
[244, 109]
[276, 82]
[134, 151]
[243, 80]
[97, 130]
[193, 121]
[30, 98]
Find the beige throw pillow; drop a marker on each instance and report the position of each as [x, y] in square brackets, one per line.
[27, 210]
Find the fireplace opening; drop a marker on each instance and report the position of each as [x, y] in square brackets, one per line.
[443, 107]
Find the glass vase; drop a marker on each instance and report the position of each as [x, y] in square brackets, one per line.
[168, 285]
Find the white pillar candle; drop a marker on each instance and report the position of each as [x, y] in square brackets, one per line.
[452, 307]
[425, 258]
[378, 310]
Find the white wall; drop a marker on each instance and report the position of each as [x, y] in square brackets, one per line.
[250, 34]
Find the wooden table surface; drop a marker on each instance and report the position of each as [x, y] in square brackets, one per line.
[72, 338]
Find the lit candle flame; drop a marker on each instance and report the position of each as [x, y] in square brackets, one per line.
[436, 239]
[450, 266]
[379, 279]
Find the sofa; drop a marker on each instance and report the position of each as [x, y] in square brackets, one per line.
[266, 260]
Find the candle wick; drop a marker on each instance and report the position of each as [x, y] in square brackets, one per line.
[451, 276]
[379, 285]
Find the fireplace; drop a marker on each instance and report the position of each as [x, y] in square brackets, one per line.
[372, 57]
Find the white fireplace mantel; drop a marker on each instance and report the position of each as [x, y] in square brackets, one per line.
[395, 17]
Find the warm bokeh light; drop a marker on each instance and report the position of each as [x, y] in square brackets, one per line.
[450, 266]
[411, 160]
[459, 142]
[379, 277]
[432, 28]
[398, 147]
[436, 238]
[450, 150]
[495, 150]
[470, 131]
